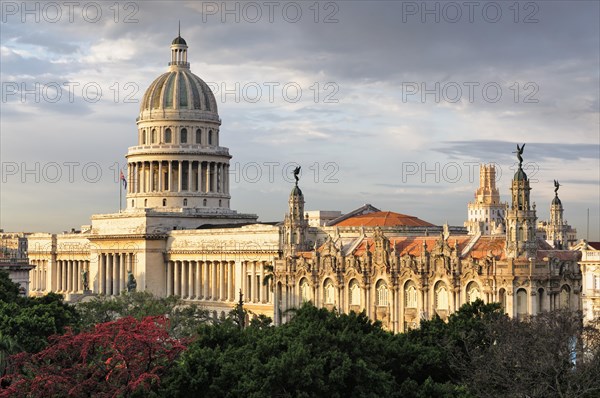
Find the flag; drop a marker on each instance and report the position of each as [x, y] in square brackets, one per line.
[123, 180]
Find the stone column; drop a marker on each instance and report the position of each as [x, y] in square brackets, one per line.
[160, 177]
[231, 281]
[253, 289]
[180, 175]
[102, 271]
[261, 287]
[76, 276]
[114, 275]
[169, 278]
[57, 275]
[205, 292]
[191, 284]
[198, 278]
[170, 177]
[245, 279]
[213, 187]
[65, 275]
[184, 279]
[225, 178]
[199, 176]
[189, 176]
[218, 177]
[215, 286]
[123, 272]
[208, 183]
[176, 278]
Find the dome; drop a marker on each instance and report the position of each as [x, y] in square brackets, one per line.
[556, 201]
[179, 89]
[296, 191]
[179, 40]
[520, 175]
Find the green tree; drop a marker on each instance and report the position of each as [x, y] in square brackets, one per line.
[184, 319]
[9, 291]
[30, 321]
[318, 353]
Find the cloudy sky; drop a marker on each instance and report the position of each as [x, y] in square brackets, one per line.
[389, 103]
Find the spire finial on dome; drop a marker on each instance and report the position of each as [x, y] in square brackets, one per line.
[179, 29]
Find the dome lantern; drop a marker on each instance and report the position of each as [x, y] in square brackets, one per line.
[179, 52]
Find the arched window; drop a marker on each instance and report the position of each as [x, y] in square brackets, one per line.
[183, 136]
[132, 203]
[304, 290]
[565, 297]
[219, 202]
[198, 136]
[328, 293]
[502, 298]
[204, 202]
[185, 202]
[164, 202]
[210, 137]
[410, 295]
[441, 296]
[473, 292]
[521, 303]
[354, 293]
[153, 139]
[143, 137]
[145, 202]
[382, 294]
[168, 136]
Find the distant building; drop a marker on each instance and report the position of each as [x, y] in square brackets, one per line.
[557, 232]
[485, 215]
[590, 285]
[18, 272]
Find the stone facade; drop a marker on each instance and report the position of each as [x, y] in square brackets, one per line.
[400, 276]
[590, 269]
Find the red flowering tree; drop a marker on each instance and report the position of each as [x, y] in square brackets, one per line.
[117, 359]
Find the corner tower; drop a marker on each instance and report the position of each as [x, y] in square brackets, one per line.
[557, 228]
[178, 162]
[295, 223]
[520, 218]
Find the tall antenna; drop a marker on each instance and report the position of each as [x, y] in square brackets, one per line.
[587, 234]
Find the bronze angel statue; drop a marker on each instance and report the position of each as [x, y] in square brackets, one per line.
[519, 153]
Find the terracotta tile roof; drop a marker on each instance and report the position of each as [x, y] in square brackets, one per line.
[560, 254]
[384, 219]
[307, 255]
[412, 245]
[489, 245]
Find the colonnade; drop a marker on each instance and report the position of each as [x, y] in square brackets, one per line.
[38, 276]
[253, 274]
[178, 175]
[67, 275]
[216, 280]
[113, 270]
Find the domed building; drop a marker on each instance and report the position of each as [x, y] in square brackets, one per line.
[178, 236]
[178, 163]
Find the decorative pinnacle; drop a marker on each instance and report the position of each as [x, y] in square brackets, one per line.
[179, 29]
[519, 153]
[297, 173]
[556, 186]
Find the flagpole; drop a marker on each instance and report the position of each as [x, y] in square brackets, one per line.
[120, 195]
